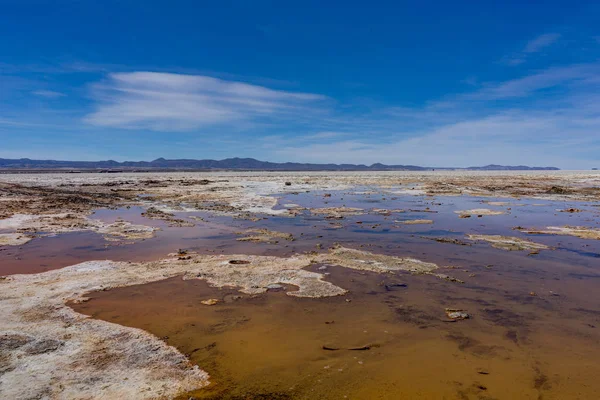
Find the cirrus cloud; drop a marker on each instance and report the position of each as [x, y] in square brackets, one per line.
[175, 102]
[533, 46]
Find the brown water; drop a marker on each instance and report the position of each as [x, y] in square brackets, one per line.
[515, 346]
[271, 346]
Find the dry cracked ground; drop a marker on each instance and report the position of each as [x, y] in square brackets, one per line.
[50, 351]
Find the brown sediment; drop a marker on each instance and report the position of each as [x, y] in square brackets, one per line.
[509, 242]
[386, 212]
[155, 213]
[447, 240]
[264, 236]
[337, 212]
[448, 278]
[14, 239]
[415, 222]
[570, 210]
[51, 198]
[577, 231]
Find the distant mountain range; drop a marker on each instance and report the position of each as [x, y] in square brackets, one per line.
[244, 164]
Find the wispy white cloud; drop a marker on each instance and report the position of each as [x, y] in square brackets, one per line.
[536, 45]
[166, 101]
[539, 81]
[48, 93]
[325, 135]
[507, 139]
[541, 42]
[549, 117]
[528, 126]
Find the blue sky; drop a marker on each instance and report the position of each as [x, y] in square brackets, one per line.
[433, 83]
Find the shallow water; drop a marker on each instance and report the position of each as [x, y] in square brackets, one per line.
[272, 345]
[516, 345]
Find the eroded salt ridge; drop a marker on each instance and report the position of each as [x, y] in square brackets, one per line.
[478, 212]
[582, 232]
[509, 243]
[27, 227]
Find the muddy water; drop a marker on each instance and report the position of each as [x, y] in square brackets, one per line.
[377, 342]
[534, 331]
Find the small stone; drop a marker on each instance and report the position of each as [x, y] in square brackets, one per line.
[210, 302]
[457, 314]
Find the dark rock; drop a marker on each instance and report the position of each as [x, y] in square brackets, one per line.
[558, 190]
[390, 286]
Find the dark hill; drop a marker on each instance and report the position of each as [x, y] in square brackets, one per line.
[226, 164]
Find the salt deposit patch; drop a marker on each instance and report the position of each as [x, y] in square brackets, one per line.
[509, 242]
[479, 211]
[577, 231]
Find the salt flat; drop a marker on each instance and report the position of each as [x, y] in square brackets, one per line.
[344, 242]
